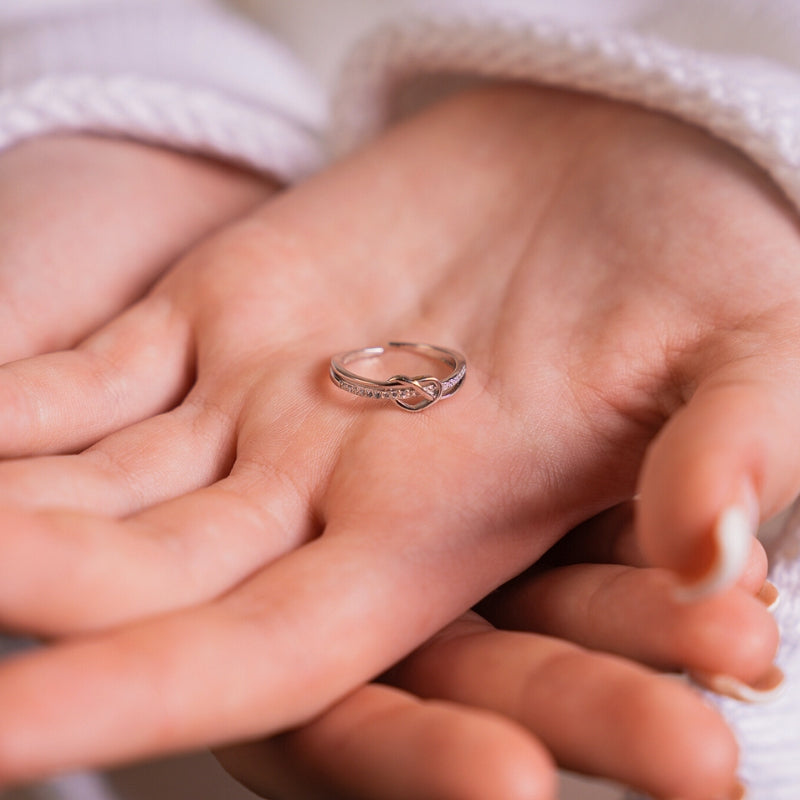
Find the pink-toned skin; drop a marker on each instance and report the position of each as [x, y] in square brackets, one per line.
[625, 290]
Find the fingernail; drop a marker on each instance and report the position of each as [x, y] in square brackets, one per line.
[740, 792]
[769, 595]
[733, 536]
[766, 688]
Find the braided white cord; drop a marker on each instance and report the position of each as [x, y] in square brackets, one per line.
[166, 113]
[756, 110]
[190, 75]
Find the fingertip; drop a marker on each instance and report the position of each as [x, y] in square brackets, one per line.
[731, 543]
[721, 463]
[665, 740]
[700, 759]
[494, 757]
[769, 595]
[756, 570]
[386, 744]
[699, 509]
[766, 688]
[733, 635]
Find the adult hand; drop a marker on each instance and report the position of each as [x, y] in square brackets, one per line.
[269, 543]
[479, 712]
[88, 223]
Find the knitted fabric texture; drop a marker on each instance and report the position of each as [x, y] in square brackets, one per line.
[769, 733]
[755, 107]
[183, 75]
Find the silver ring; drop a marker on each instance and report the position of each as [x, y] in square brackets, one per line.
[410, 394]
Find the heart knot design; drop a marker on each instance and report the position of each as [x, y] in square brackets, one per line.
[427, 391]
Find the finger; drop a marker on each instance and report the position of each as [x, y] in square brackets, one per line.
[722, 463]
[141, 465]
[178, 552]
[305, 630]
[610, 538]
[383, 744]
[606, 538]
[181, 552]
[60, 276]
[632, 612]
[597, 714]
[137, 366]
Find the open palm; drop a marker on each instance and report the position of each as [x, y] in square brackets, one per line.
[249, 543]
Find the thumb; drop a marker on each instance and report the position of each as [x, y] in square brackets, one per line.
[725, 461]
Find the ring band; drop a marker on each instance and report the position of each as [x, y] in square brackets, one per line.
[410, 394]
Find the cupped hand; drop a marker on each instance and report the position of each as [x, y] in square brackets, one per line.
[88, 223]
[480, 712]
[624, 290]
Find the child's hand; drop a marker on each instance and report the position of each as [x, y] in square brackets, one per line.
[88, 223]
[428, 734]
[267, 543]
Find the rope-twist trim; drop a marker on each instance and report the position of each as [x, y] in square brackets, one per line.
[185, 117]
[757, 111]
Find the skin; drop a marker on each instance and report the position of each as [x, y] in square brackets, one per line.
[88, 223]
[478, 711]
[624, 334]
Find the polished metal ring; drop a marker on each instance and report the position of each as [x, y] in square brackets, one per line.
[411, 394]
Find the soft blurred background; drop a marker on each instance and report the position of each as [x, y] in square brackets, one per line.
[199, 777]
